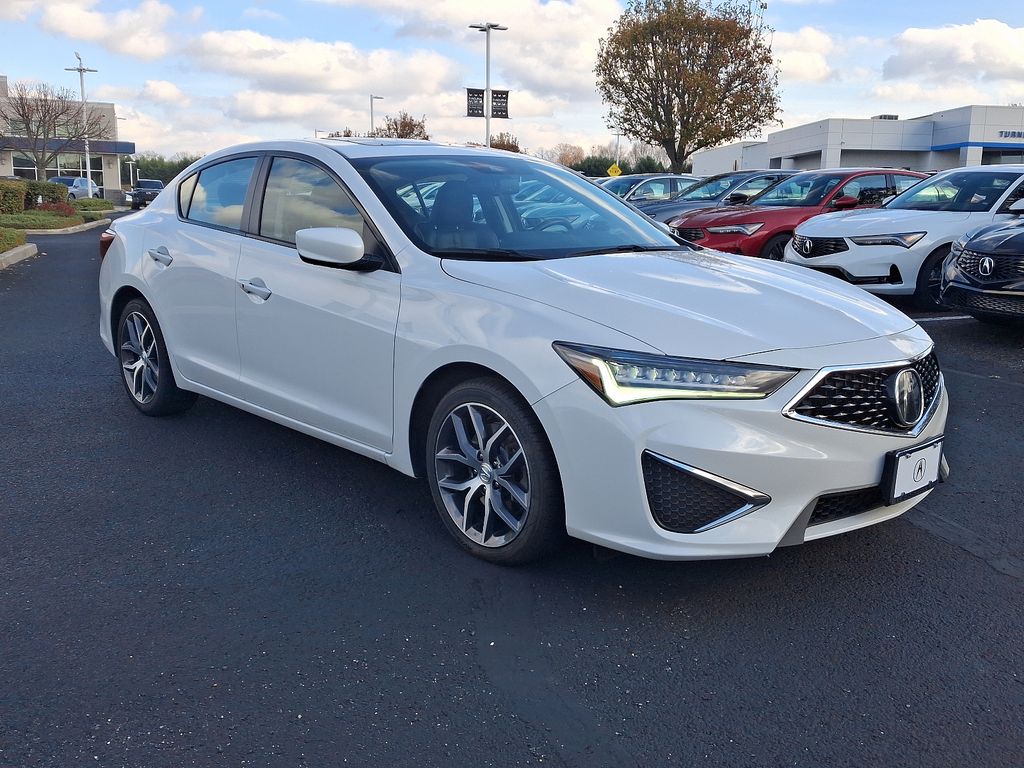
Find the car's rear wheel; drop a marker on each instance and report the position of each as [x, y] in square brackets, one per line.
[492, 473]
[775, 248]
[145, 369]
[927, 292]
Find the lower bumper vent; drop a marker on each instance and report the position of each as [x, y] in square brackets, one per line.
[836, 506]
[684, 499]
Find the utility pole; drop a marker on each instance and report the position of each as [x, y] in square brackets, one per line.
[486, 28]
[373, 99]
[81, 69]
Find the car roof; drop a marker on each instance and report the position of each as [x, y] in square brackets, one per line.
[1011, 167]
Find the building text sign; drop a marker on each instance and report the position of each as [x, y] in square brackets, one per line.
[1011, 134]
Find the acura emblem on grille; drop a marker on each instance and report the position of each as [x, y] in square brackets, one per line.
[986, 266]
[906, 395]
[807, 246]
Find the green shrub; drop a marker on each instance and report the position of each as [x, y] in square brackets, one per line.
[50, 191]
[10, 238]
[92, 204]
[38, 220]
[93, 215]
[12, 196]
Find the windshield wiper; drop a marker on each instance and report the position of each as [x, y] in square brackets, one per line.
[630, 249]
[485, 254]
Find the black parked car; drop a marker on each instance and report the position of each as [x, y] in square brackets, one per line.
[143, 193]
[724, 189]
[984, 272]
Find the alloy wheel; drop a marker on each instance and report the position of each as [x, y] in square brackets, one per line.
[483, 475]
[139, 358]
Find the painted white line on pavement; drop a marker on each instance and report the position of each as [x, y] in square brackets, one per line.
[937, 319]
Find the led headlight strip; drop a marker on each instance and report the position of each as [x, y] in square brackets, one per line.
[623, 377]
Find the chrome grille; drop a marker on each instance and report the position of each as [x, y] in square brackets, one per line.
[819, 246]
[858, 397]
[1005, 267]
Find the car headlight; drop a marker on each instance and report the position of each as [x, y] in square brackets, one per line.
[958, 246]
[903, 239]
[737, 229]
[622, 377]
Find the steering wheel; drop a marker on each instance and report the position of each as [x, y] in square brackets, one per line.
[564, 225]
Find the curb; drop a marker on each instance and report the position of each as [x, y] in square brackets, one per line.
[69, 230]
[16, 254]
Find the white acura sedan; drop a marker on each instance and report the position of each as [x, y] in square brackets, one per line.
[898, 249]
[587, 374]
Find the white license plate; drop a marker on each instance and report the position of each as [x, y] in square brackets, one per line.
[913, 470]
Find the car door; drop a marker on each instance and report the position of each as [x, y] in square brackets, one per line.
[189, 263]
[869, 190]
[316, 342]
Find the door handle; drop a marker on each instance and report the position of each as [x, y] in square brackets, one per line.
[161, 255]
[255, 287]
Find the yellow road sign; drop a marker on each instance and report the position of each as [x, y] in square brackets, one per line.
[614, 170]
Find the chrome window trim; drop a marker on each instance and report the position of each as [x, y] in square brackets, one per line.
[755, 499]
[790, 410]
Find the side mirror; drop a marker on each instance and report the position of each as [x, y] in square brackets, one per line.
[338, 247]
[736, 198]
[1017, 207]
[845, 202]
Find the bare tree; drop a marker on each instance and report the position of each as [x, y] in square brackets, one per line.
[403, 126]
[505, 140]
[688, 74]
[568, 154]
[50, 119]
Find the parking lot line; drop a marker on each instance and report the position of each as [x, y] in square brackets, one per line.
[937, 319]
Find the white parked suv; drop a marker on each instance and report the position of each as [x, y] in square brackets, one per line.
[898, 249]
[595, 376]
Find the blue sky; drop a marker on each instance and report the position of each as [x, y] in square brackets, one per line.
[194, 76]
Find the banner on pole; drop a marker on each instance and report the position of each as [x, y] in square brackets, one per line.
[499, 104]
[474, 102]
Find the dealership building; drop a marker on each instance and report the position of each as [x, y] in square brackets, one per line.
[105, 152]
[973, 135]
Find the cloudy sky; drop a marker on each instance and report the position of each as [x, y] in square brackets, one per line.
[193, 76]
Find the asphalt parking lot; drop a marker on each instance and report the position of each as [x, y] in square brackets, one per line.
[213, 589]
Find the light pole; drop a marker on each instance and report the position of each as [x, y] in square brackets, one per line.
[486, 28]
[373, 99]
[81, 69]
[131, 166]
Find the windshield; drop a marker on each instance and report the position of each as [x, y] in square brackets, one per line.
[961, 191]
[150, 184]
[621, 186]
[712, 189]
[470, 206]
[801, 189]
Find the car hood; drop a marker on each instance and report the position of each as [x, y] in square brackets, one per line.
[696, 303]
[881, 221]
[1005, 239]
[738, 214]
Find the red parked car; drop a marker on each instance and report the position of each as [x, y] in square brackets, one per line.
[764, 226]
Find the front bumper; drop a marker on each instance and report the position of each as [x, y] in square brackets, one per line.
[975, 295]
[883, 269]
[751, 443]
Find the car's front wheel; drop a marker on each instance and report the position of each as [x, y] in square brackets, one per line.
[492, 473]
[145, 369]
[927, 292]
[71, 195]
[775, 248]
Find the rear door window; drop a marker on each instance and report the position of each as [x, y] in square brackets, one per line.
[219, 194]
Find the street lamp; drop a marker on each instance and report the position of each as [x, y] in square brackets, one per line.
[486, 28]
[131, 166]
[373, 99]
[81, 69]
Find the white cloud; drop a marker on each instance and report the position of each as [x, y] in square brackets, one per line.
[804, 55]
[310, 66]
[17, 10]
[262, 13]
[138, 31]
[986, 49]
[152, 92]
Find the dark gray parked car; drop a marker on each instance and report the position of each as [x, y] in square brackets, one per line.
[143, 193]
[724, 189]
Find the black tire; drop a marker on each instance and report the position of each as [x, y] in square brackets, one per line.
[543, 522]
[166, 398]
[71, 196]
[135, 206]
[775, 248]
[929, 281]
